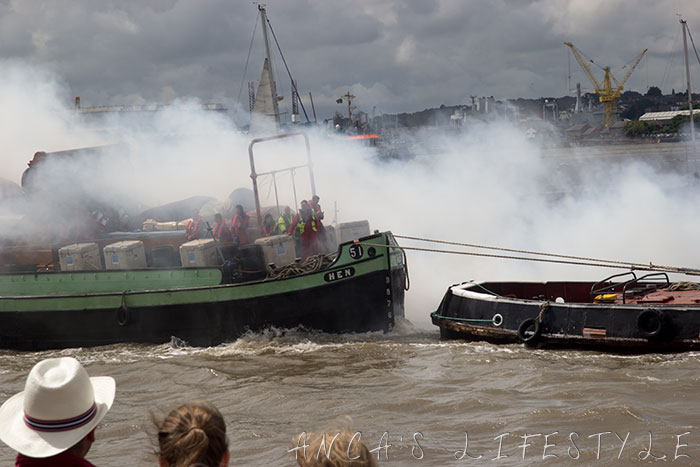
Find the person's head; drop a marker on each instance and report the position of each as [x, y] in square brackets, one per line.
[268, 219]
[315, 199]
[239, 209]
[218, 218]
[335, 449]
[57, 411]
[287, 210]
[306, 211]
[193, 434]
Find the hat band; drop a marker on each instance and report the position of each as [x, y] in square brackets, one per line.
[61, 425]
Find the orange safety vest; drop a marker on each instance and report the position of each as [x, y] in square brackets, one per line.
[192, 227]
[218, 227]
[239, 228]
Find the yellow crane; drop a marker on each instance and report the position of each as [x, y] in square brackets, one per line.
[607, 94]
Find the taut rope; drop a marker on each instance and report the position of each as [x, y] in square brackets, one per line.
[565, 259]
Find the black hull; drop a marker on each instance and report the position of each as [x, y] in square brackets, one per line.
[363, 290]
[633, 328]
[359, 305]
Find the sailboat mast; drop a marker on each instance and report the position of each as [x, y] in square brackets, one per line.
[273, 85]
[684, 25]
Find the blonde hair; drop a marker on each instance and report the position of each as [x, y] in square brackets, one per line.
[192, 434]
[338, 449]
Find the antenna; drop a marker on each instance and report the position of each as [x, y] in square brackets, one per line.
[568, 82]
[295, 103]
[348, 97]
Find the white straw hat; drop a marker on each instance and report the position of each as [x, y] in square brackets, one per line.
[59, 406]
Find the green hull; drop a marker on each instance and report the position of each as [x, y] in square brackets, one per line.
[362, 290]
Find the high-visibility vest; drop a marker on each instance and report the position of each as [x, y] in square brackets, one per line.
[283, 223]
[303, 223]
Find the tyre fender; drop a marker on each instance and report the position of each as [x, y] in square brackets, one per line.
[650, 322]
[123, 312]
[122, 315]
[526, 335]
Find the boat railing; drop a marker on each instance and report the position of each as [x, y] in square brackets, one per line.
[648, 287]
[599, 288]
[595, 290]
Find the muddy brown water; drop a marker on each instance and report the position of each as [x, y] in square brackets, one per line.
[415, 400]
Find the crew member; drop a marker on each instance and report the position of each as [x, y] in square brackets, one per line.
[195, 227]
[221, 232]
[318, 214]
[284, 221]
[239, 226]
[316, 207]
[268, 225]
[297, 225]
[309, 229]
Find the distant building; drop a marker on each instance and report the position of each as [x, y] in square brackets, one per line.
[485, 104]
[666, 117]
[576, 132]
[592, 132]
[616, 130]
[140, 115]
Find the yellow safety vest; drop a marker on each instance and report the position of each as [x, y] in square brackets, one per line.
[302, 223]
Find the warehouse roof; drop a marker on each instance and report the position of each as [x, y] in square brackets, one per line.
[665, 116]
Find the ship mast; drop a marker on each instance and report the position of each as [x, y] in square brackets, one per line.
[684, 25]
[273, 85]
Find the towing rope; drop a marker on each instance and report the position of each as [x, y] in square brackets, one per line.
[543, 307]
[565, 259]
[435, 314]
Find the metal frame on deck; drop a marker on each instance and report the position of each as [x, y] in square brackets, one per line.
[254, 175]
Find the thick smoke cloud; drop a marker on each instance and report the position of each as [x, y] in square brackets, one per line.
[31, 116]
[493, 186]
[490, 185]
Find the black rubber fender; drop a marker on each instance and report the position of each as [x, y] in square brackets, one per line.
[650, 322]
[122, 315]
[529, 337]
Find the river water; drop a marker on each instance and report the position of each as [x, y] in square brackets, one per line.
[418, 400]
[414, 398]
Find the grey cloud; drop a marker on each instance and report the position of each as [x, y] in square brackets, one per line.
[424, 53]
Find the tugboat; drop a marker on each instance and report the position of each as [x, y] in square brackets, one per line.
[148, 287]
[92, 302]
[622, 313]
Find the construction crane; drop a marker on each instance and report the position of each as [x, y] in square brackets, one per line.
[607, 94]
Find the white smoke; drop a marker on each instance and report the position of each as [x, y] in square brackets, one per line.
[32, 116]
[489, 185]
[493, 186]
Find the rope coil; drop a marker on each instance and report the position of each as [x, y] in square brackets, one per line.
[311, 264]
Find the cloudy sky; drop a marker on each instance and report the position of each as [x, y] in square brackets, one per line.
[393, 55]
